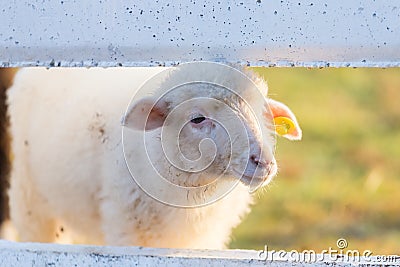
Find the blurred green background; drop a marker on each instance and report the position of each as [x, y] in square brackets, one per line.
[343, 179]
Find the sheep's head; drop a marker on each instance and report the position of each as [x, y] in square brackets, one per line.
[221, 129]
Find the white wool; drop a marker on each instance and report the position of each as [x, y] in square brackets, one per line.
[69, 175]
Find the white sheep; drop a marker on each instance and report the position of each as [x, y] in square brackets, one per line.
[69, 173]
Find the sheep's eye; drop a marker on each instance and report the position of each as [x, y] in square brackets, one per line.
[198, 119]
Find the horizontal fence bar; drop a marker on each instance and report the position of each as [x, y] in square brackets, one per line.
[36, 254]
[339, 33]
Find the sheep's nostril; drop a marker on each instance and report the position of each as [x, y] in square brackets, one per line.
[257, 161]
[254, 159]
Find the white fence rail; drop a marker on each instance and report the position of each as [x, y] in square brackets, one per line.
[35, 254]
[257, 32]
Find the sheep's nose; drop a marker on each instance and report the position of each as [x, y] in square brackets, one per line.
[259, 162]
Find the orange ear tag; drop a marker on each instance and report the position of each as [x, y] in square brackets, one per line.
[283, 125]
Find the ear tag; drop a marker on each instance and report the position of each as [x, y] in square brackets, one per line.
[283, 125]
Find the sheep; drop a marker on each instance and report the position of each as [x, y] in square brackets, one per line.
[72, 169]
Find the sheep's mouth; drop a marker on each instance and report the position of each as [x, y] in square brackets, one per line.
[250, 180]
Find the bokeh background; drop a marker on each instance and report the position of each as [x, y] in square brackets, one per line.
[343, 179]
[6, 77]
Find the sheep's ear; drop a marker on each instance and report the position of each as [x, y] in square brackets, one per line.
[285, 122]
[146, 114]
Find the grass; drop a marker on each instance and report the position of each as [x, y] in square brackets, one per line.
[343, 179]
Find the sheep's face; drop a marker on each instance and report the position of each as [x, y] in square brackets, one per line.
[212, 133]
[209, 127]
